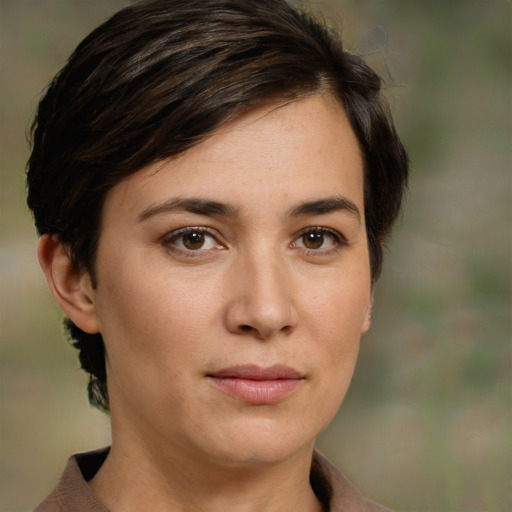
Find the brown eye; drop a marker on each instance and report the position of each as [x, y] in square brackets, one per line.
[319, 239]
[313, 240]
[193, 240]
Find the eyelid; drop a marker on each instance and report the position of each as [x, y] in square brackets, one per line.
[339, 238]
[322, 229]
[168, 239]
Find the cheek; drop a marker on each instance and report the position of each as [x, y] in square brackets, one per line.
[337, 318]
[335, 355]
[340, 307]
[154, 347]
[157, 323]
[151, 313]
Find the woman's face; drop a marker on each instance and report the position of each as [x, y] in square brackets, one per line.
[234, 286]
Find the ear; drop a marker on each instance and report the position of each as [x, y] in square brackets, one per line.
[367, 323]
[71, 288]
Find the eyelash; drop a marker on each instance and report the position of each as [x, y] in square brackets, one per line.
[339, 240]
[169, 240]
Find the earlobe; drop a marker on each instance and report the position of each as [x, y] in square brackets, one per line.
[367, 323]
[71, 288]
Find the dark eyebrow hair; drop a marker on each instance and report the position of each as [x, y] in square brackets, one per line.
[198, 206]
[328, 205]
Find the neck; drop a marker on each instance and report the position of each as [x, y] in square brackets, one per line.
[136, 478]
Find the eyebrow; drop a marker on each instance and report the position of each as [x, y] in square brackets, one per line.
[207, 207]
[192, 205]
[328, 205]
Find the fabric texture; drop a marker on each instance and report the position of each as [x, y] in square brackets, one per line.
[73, 494]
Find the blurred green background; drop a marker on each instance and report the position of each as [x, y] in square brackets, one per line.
[427, 423]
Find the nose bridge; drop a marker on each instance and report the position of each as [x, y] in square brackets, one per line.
[263, 301]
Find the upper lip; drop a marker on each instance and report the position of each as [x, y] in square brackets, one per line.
[254, 372]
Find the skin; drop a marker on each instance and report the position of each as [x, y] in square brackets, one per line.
[280, 276]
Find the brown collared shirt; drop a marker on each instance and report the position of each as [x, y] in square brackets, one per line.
[73, 494]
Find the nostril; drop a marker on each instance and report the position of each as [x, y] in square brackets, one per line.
[287, 329]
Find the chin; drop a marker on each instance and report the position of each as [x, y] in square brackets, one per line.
[258, 444]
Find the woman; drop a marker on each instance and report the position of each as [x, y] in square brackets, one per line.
[213, 183]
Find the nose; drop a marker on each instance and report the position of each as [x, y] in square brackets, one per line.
[261, 302]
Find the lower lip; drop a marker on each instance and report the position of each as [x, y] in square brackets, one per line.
[257, 391]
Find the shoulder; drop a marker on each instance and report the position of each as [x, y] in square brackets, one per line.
[72, 493]
[336, 491]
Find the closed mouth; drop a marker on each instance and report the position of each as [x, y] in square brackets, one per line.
[257, 385]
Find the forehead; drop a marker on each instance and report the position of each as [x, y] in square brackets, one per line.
[289, 151]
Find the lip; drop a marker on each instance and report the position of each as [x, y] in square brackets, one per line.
[256, 385]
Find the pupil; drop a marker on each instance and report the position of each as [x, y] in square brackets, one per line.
[194, 240]
[313, 240]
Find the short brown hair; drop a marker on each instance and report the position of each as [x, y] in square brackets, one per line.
[159, 77]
